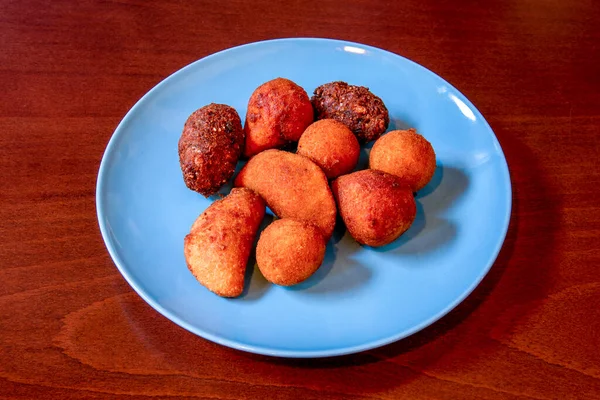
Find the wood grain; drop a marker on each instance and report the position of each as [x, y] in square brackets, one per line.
[71, 327]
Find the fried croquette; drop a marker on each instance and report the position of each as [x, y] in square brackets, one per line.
[355, 106]
[405, 154]
[278, 112]
[376, 207]
[292, 186]
[220, 241]
[331, 145]
[209, 147]
[289, 251]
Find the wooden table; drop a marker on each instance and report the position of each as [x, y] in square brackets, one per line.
[71, 327]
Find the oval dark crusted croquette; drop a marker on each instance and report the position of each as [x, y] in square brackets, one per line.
[209, 147]
[355, 106]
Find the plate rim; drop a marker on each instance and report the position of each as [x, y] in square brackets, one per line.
[264, 350]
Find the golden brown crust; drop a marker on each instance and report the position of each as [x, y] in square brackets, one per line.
[292, 186]
[355, 106]
[376, 207]
[289, 251]
[331, 145]
[209, 147]
[220, 241]
[405, 154]
[278, 112]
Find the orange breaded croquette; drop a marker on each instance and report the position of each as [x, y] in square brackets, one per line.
[278, 112]
[292, 186]
[376, 207]
[289, 251]
[331, 145]
[405, 154]
[220, 241]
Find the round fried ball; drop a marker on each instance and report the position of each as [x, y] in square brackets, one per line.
[209, 147]
[330, 145]
[376, 207]
[405, 154]
[289, 251]
[355, 106]
[278, 112]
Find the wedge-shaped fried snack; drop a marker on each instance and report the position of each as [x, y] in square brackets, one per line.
[219, 243]
[293, 187]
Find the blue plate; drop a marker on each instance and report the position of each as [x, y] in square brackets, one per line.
[361, 297]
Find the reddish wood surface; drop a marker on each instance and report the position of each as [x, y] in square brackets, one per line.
[71, 327]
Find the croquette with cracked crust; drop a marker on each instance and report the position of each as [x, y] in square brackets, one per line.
[220, 241]
[331, 145]
[376, 207]
[355, 106]
[209, 147]
[406, 154]
[278, 112]
[289, 251]
[293, 187]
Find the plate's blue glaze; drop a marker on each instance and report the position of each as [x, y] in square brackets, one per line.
[361, 297]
